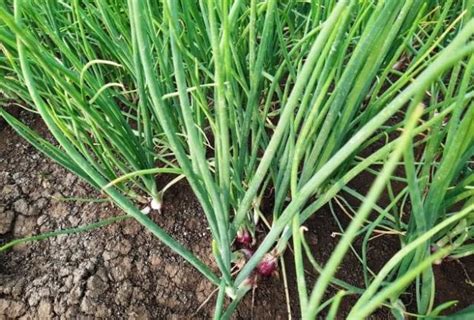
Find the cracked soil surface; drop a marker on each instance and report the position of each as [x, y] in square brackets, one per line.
[121, 271]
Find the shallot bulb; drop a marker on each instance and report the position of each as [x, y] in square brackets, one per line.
[268, 266]
[243, 237]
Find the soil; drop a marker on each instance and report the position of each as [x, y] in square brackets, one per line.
[119, 271]
[122, 271]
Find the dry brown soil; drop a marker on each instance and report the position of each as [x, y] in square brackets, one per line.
[121, 271]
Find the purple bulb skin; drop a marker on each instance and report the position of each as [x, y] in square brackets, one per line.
[248, 253]
[268, 266]
[243, 237]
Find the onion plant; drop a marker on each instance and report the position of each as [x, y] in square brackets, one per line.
[249, 98]
[434, 186]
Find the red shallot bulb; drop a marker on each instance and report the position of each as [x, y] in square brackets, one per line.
[267, 266]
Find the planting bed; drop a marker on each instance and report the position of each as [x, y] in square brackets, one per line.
[122, 271]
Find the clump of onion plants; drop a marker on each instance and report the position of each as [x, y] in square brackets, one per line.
[239, 98]
[440, 211]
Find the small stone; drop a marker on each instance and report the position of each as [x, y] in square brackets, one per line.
[17, 290]
[122, 269]
[34, 299]
[4, 304]
[94, 247]
[109, 255]
[60, 306]
[102, 311]
[88, 306]
[65, 271]
[179, 277]
[71, 313]
[131, 227]
[172, 302]
[6, 287]
[68, 283]
[35, 195]
[21, 206]
[45, 310]
[155, 260]
[41, 203]
[125, 247]
[83, 270]
[75, 295]
[124, 294]
[74, 220]
[96, 286]
[59, 210]
[10, 192]
[138, 294]
[44, 292]
[24, 226]
[203, 290]
[70, 179]
[6, 221]
[170, 270]
[12, 309]
[138, 312]
[42, 220]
